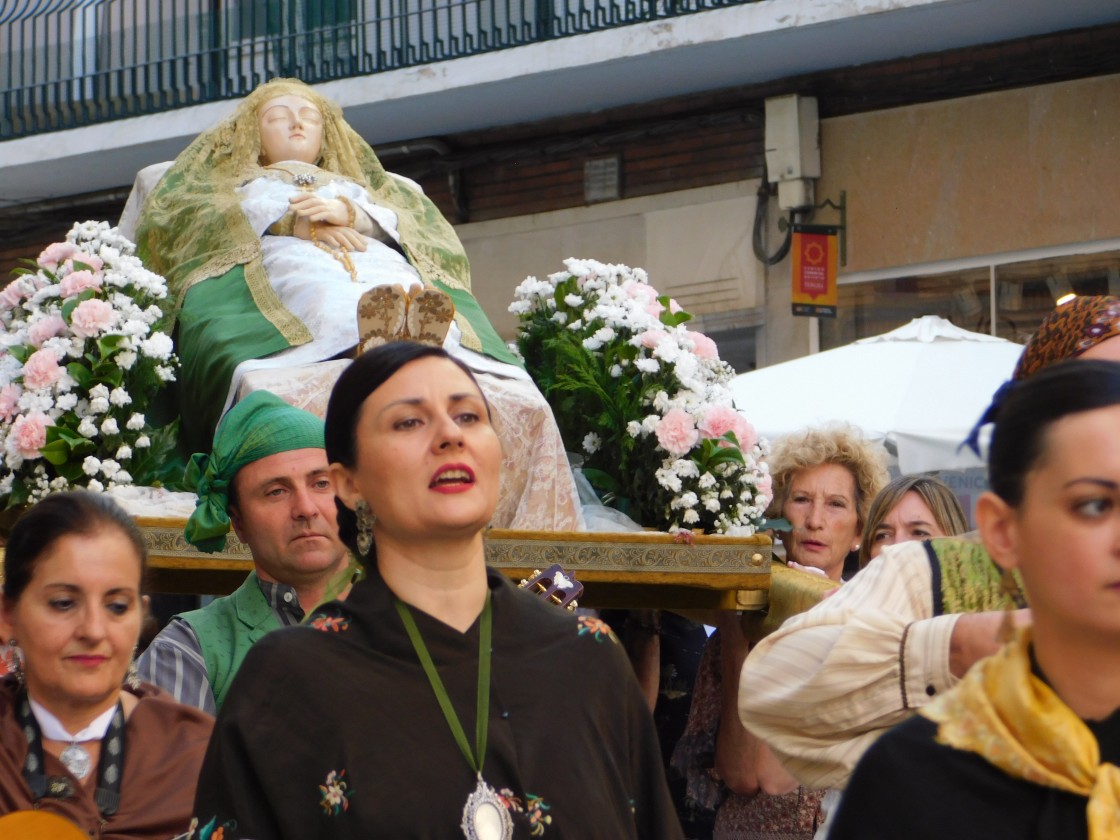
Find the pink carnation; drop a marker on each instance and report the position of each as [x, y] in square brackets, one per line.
[41, 370]
[92, 260]
[30, 434]
[45, 328]
[702, 346]
[56, 253]
[643, 291]
[655, 309]
[12, 295]
[651, 338]
[719, 420]
[9, 400]
[91, 318]
[77, 282]
[766, 486]
[676, 433]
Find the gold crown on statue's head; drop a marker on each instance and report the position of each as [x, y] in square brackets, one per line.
[389, 313]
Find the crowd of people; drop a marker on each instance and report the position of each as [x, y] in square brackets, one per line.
[373, 678]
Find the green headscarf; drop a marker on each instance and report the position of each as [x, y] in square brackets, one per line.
[260, 425]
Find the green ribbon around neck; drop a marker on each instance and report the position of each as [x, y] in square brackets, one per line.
[482, 711]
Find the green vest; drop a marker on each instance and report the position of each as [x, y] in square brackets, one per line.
[226, 628]
[966, 580]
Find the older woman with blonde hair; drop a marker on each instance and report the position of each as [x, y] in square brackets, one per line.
[824, 481]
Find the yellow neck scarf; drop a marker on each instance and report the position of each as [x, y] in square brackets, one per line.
[1005, 714]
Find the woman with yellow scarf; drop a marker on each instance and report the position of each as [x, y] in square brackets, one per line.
[1028, 744]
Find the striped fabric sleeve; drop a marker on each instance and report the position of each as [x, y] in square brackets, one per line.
[829, 681]
[174, 662]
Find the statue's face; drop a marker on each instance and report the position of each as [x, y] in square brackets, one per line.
[291, 129]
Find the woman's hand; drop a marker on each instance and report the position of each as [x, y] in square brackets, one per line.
[334, 236]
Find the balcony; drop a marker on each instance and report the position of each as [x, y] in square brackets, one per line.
[71, 63]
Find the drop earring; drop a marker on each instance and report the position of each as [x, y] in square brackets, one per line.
[365, 518]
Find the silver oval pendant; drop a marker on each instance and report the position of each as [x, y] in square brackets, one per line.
[75, 759]
[485, 817]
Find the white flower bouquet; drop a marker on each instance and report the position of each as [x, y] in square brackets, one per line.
[644, 400]
[81, 358]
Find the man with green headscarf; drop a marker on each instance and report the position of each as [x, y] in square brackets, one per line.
[267, 477]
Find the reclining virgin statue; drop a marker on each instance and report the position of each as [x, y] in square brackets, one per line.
[288, 248]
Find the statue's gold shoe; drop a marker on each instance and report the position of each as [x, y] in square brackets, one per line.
[382, 317]
[430, 313]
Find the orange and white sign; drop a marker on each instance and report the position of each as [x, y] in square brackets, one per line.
[815, 259]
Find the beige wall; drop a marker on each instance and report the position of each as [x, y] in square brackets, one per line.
[694, 244]
[999, 172]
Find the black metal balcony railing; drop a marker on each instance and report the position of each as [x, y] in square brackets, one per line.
[69, 63]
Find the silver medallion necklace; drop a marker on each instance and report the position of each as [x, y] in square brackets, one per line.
[74, 757]
[485, 817]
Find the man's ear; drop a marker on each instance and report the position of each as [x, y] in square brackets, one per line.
[998, 524]
[344, 486]
[235, 520]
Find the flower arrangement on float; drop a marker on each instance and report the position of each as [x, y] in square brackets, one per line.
[643, 399]
[82, 355]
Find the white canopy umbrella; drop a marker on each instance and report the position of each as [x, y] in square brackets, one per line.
[919, 389]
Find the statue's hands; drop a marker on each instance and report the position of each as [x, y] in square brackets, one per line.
[339, 236]
[321, 210]
[331, 218]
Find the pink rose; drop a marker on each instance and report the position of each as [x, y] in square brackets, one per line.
[702, 346]
[91, 318]
[9, 400]
[651, 338]
[766, 486]
[55, 253]
[45, 328]
[30, 434]
[41, 370]
[77, 282]
[676, 433]
[92, 260]
[12, 295]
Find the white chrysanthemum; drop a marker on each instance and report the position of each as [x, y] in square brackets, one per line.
[124, 452]
[591, 443]
[65, 402]
[157, 346]
[120, 397]
[633, 428]
[109, 468]
[135, 422]
[647, 365]
[87, 428]
[690, 517]
[143, 442]
[99, 405]
[109, 426]
[668, 479]
[95, 486]
[125, 359]
[707, 480]
[165, 373]
[91, 465]
[616, 371]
